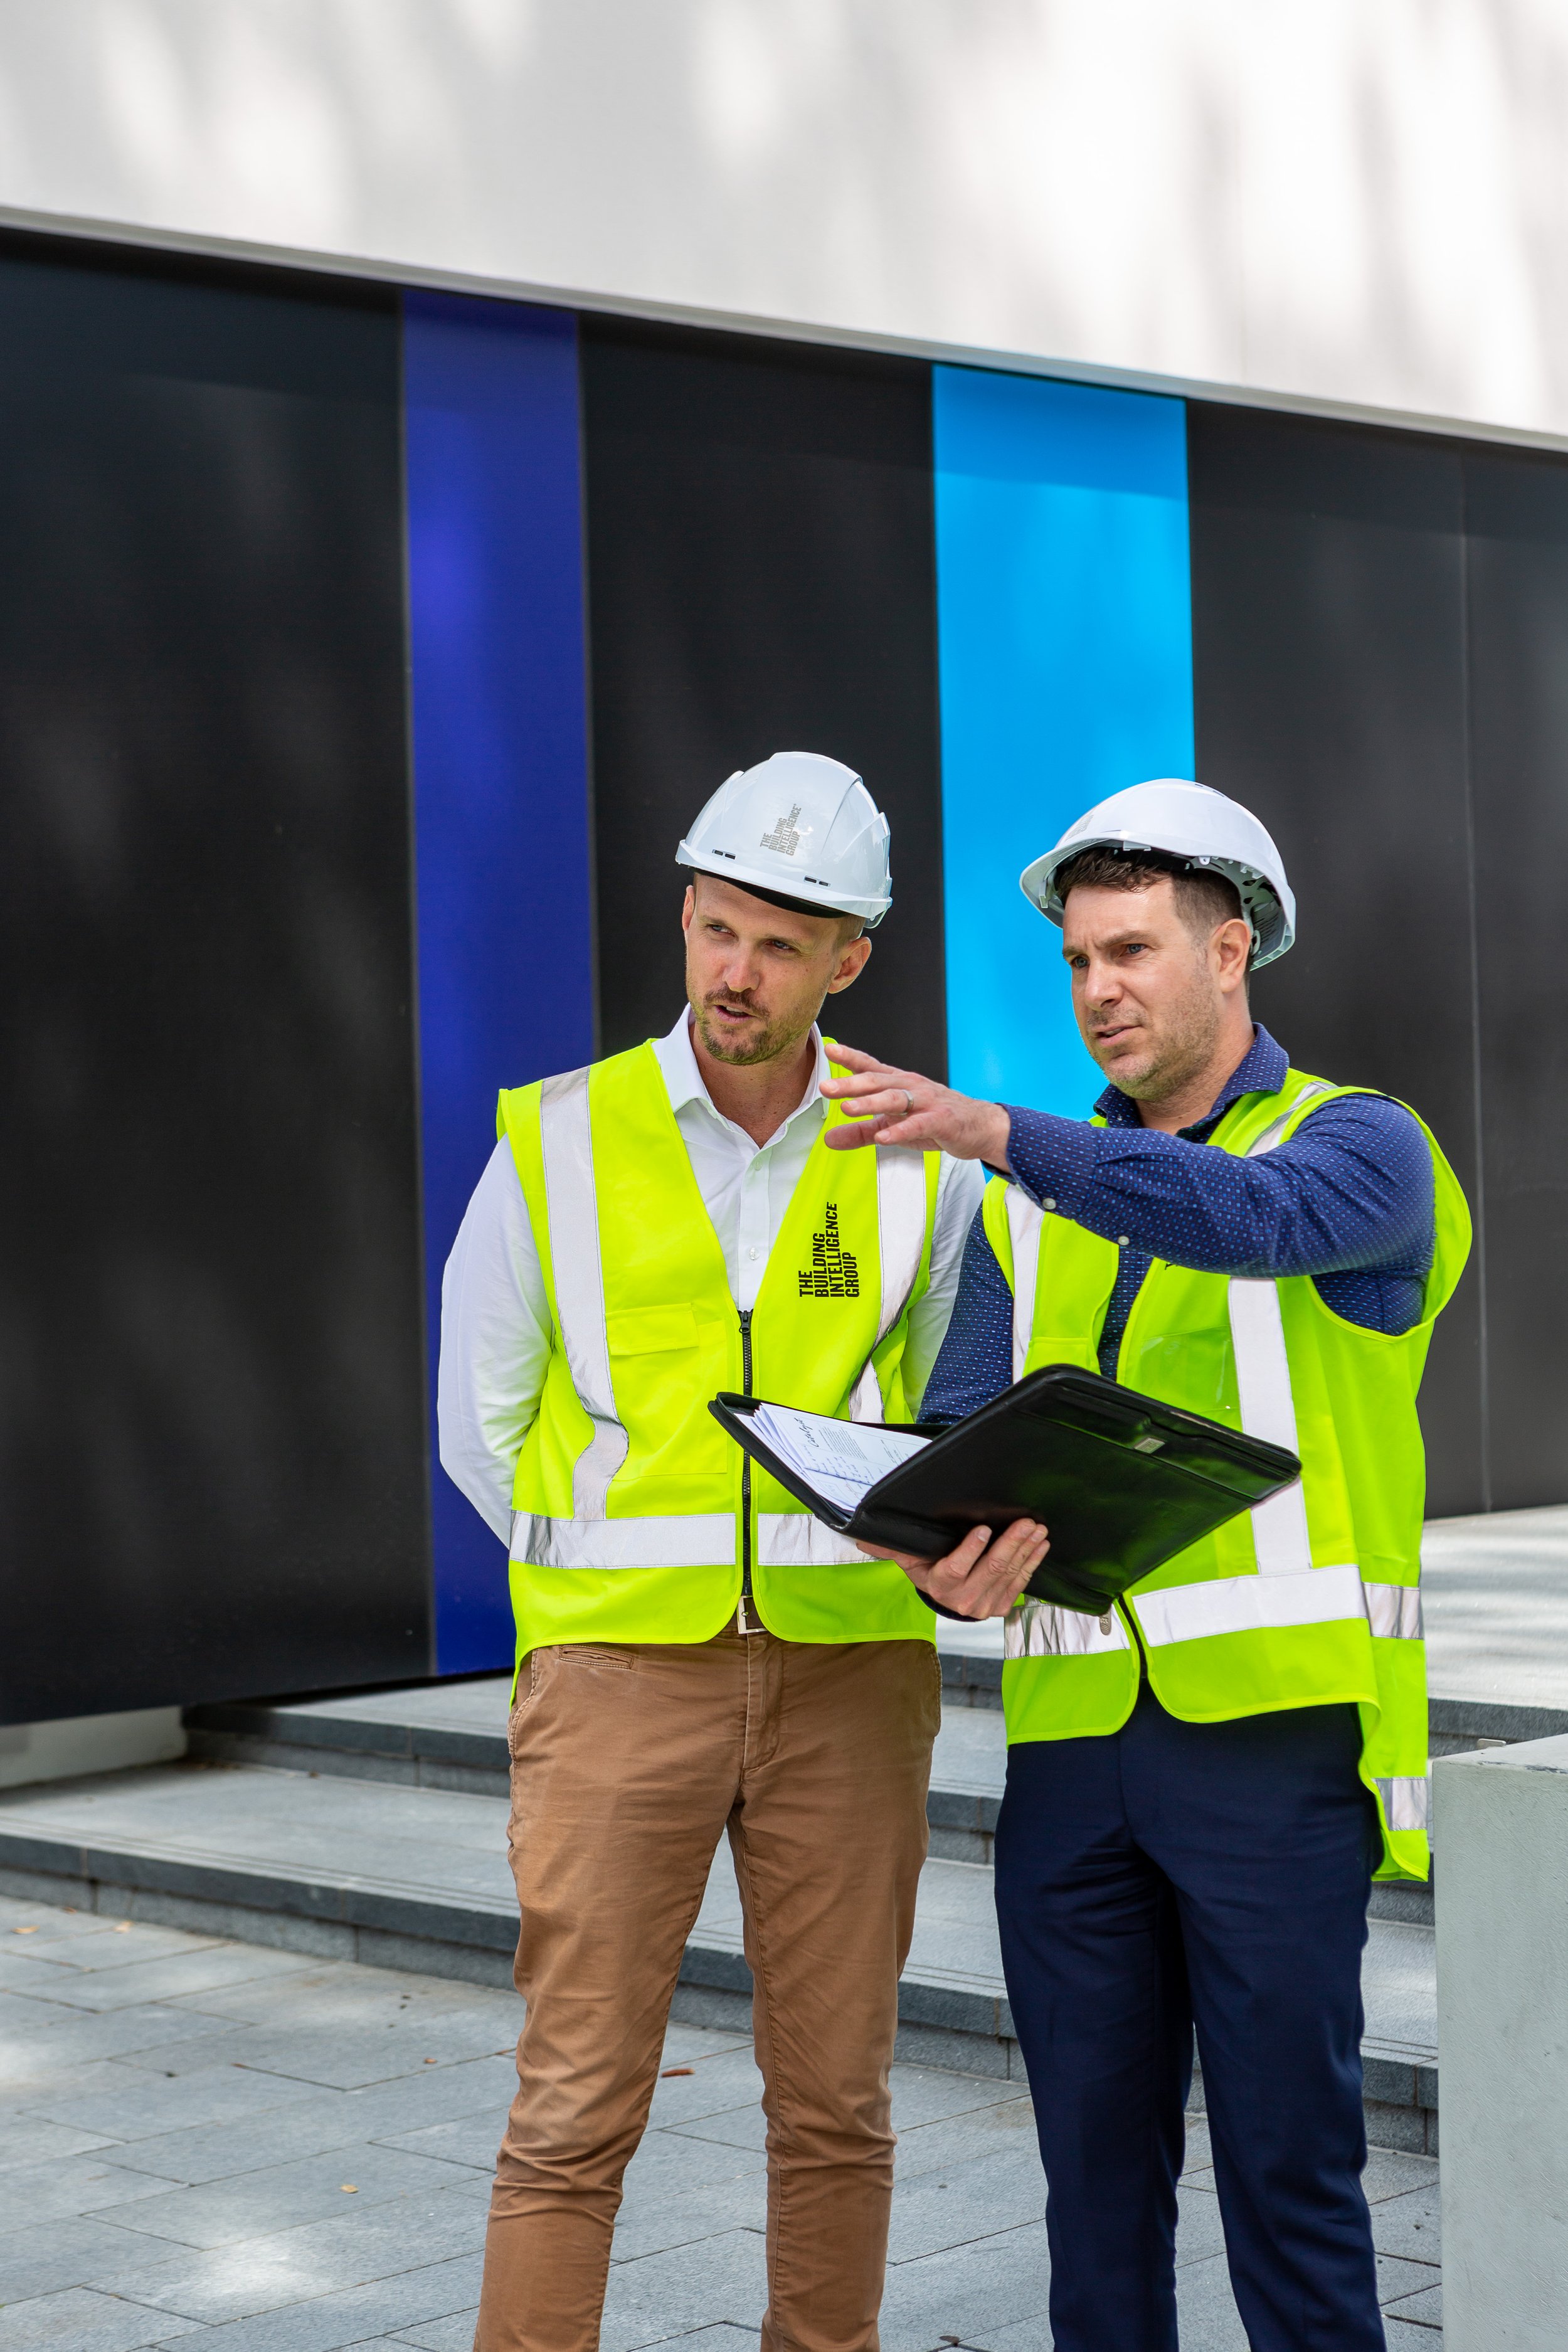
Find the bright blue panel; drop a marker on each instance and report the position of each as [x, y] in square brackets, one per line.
[1066, 661]
[495, 577]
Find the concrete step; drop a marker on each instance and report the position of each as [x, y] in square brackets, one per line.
[412, 1877]
[452, 1735]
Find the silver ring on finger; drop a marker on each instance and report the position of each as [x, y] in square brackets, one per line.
[908, 1103]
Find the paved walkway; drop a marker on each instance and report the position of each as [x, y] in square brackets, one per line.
[232, 2149]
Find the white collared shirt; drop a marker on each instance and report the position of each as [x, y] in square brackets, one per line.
[495, 1318]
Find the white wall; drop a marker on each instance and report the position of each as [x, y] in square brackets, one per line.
[1350, 202]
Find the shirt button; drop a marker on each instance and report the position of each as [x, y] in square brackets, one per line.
[1122, 1242]
[754, 1254]
[1049, 1206]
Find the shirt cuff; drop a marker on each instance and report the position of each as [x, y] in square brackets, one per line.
[1053, 1159]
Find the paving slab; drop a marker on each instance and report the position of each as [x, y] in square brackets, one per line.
[654, 2296]
[271, 2269]
[75, 2320]
[312, 2124]
[71, 2185]
[281, 2196]
[353, 2315]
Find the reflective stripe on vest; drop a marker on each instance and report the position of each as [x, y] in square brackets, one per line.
[573, 1205]
[590, 1539]
[1026, 1224]
[1040, 1629]
[690, 1539]
[1279, 1536]
[1406, 1802]
[900, 1241]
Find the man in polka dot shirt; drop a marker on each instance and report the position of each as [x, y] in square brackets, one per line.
[1158, 1866]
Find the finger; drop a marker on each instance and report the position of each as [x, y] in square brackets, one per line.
[1005, 1584]
[864, 1082]
[853, 1057]
[1012, 1546]
[972, 1547]
[888, 1102]
[876, 1127]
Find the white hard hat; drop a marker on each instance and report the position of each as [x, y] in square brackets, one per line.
[1183, 820]
[802, 827]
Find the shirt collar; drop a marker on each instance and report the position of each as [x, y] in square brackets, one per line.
[676, 1060]
[1260, 1071]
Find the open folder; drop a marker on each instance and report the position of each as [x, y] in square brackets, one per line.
[1122, 1481]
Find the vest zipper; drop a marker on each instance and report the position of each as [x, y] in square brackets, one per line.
[745, 1470]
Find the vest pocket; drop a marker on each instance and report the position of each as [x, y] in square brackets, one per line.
[650, 1330]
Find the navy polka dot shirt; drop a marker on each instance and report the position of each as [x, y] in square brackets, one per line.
[1348, 1201]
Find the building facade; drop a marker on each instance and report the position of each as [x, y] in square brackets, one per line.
[439, 443]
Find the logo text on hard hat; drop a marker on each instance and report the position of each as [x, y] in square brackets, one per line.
[784, 836]
[834, 1272]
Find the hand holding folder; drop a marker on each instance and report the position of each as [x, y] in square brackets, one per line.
[1124, 1482]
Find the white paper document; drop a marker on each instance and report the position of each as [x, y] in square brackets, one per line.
[840, 1459]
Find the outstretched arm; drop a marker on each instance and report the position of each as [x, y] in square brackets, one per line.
[1352, 1190]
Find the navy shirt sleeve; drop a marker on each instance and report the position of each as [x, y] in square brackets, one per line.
[1351, 1191]
[1348, 1201]
[975, 1362]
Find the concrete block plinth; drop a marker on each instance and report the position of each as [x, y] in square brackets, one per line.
[1502, 2043]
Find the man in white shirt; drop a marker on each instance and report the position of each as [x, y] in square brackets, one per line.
[696, 1655]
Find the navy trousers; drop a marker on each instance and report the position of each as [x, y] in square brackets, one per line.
[1216, 1875]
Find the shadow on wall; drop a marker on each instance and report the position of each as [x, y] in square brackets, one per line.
[1360, 206]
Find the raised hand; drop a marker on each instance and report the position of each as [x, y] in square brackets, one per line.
[891, 1106]
[977, 1577]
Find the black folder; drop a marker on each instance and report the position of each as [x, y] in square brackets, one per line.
[1122, 1481]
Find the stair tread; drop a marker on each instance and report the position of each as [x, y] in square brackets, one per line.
[971, 1754]
[430, 1861]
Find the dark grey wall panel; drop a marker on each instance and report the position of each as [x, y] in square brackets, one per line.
[1328, 616]
[1517, 511]
[212, 1448]
[761, 578]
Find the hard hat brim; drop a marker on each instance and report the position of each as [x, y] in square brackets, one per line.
[763, 885]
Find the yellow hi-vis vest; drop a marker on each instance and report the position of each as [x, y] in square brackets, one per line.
[633, 1510]
[1314, 1597]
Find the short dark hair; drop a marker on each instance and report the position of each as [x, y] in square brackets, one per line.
[1203, 898]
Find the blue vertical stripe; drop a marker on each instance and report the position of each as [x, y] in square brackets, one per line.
[1065, 651]
[500, 769]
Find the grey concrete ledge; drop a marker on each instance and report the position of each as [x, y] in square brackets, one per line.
[347, 1903]
[319, 1724]
[971, 1681]
[1472, 1719]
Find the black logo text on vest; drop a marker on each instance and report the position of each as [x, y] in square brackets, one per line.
[833, 1272]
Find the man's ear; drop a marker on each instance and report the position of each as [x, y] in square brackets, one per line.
[851, 963]
[1232, 947]
[688, 907]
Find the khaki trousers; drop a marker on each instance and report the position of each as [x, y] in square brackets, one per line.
[628, 1763]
